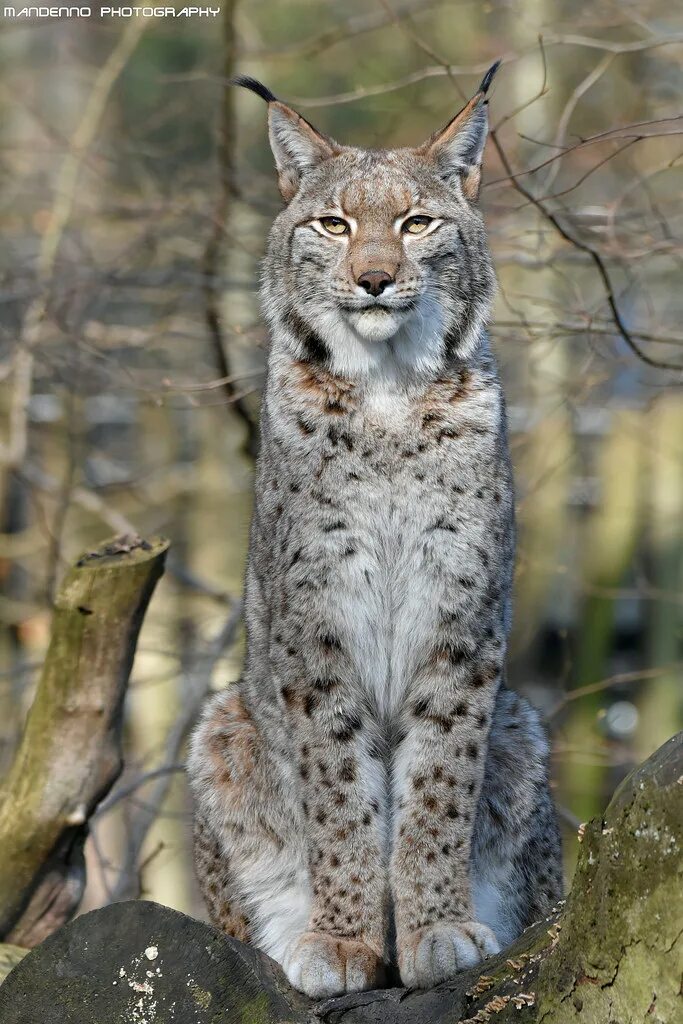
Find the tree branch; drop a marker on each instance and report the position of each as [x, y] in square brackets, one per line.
[214, 247]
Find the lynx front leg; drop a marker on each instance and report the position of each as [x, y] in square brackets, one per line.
[343, 947]
[438, 776]
[296, 870]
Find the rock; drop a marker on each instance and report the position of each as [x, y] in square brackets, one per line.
[619, 955]
[141, 963]
[612, 955]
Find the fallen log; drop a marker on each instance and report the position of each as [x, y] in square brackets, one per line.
[612, 954]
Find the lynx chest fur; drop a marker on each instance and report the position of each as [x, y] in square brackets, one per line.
[397, 506]
[370, 796]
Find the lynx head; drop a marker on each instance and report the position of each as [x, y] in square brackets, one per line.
[379, 258]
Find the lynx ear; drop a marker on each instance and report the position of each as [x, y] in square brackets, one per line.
[296, 144]
[458, 148]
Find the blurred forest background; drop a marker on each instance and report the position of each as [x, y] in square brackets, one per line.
[137, 189]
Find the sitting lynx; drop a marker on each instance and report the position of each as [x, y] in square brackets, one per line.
[370, 792]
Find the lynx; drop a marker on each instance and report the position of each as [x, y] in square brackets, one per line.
[370, 795]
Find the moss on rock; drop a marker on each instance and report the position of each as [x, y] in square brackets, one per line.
[619, 955]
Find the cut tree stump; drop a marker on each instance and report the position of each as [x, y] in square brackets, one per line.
[10, 956]
[70, 752]
[613, 954]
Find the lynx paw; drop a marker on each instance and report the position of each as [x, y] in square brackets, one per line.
[326, 965]
[434, 954]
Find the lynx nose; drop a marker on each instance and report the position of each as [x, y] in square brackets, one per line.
[375, 281]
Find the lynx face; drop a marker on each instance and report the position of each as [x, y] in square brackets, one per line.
[379, 242]
[379, 258]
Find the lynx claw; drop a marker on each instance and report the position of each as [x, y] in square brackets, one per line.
[431, 955]
[323, 965]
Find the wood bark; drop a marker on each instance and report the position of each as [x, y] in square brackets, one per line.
[70, 752]
[612, 954]
[10, 956]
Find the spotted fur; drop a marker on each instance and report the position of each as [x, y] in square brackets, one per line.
[370, 791]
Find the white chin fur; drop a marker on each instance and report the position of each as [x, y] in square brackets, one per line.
[376, 324]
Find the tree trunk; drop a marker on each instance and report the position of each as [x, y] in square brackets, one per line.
[70, 752]
[612, 953]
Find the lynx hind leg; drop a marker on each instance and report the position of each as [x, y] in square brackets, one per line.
[250, 835]
[516, 852]
[226, 909]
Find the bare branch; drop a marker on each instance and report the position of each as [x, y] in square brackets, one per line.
[214, 245]
[619, 679]
[594, 256]
[361, 24]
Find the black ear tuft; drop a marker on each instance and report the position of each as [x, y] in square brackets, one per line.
[488, 77]
[255, 86]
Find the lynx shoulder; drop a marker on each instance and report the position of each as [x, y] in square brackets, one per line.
[370, 774]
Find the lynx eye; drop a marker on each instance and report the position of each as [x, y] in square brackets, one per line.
[335, 225]
[416, 225]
